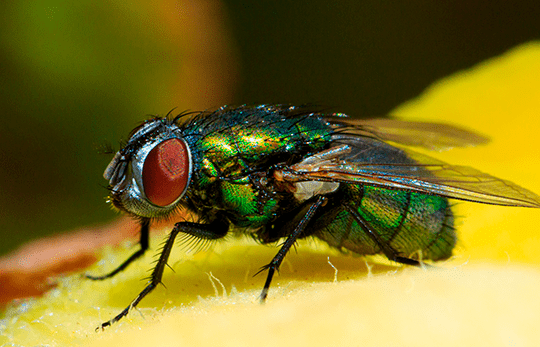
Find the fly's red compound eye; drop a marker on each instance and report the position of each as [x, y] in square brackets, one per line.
[165, 172]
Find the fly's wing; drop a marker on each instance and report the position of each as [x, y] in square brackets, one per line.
[368, 161]
[434, 136]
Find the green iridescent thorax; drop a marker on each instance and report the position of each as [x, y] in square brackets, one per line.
[409, 222]
[236, 150]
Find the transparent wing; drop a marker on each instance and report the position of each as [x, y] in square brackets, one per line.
[371, 162]
[435, 136]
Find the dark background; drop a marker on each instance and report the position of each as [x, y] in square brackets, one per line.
[74, 76]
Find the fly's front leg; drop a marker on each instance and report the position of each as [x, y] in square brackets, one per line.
[143, 241]
[286, 246]
[205, 231]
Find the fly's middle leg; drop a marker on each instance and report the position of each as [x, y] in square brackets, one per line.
[285, 247]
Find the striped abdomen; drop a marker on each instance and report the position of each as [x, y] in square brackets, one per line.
[410, 223]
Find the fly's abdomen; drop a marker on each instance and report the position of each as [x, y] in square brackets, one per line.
[411, 223]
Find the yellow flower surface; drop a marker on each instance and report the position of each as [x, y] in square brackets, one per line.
[486, 295]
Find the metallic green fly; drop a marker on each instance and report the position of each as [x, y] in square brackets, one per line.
[285, 173]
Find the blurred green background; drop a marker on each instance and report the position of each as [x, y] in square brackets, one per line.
[79, 74]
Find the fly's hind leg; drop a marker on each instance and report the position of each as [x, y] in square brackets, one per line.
[286, 246]
[143, 241]
[205, 231]
[386, 249]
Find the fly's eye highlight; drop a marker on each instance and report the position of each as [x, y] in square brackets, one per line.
[165, 173]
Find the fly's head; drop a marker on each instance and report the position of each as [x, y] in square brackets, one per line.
[150, 175]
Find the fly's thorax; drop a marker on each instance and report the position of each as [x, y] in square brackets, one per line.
[237, 142]
[151, 174]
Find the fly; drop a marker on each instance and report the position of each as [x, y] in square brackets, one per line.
[284, 173]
